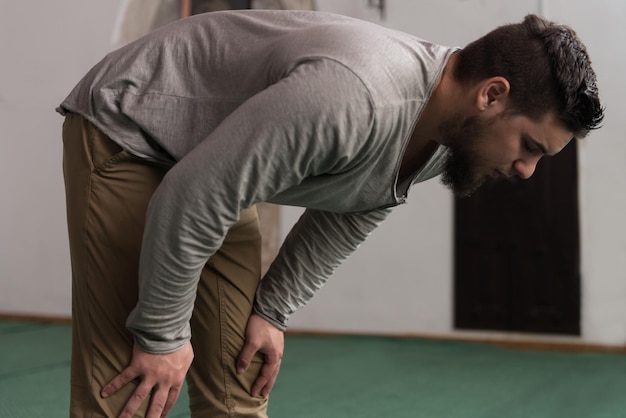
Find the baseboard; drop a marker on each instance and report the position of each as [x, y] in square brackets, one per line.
[528, 343]
[45, 319]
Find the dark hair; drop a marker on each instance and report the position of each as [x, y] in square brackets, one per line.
[547, 67]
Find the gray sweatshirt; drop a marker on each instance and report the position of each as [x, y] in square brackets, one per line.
[296, 108]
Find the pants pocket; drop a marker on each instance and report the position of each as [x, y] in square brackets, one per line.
[104, 152]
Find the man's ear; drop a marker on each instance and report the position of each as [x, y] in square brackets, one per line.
[493, 94]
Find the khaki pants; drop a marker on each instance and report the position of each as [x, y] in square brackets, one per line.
[107, 192]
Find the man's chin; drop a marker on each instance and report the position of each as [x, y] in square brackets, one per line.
[466, 188]
[465, 193]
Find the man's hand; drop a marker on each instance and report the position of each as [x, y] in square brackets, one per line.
[161, 375]
[265, 338]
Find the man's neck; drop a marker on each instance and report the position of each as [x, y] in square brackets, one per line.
[425, 136]
[445, 102]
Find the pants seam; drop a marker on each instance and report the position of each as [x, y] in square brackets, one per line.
[228, 399]
[87, 240]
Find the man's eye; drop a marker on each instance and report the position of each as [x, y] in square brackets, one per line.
[529, 147]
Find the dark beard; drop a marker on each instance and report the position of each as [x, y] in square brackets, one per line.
[458, 174]
[460, 135]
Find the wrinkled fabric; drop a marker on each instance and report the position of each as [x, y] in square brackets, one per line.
[296, 108]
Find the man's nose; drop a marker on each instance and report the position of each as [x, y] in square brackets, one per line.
[526, 167]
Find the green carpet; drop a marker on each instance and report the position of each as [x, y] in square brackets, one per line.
[359, 377]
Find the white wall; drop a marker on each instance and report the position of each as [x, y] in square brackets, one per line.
[400, 280]
[44, 50]
[603, 171]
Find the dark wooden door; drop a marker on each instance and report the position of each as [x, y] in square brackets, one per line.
[517, 261]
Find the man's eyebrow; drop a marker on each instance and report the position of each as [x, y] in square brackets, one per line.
[537, 144]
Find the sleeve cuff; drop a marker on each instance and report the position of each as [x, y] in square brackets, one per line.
[280, 325]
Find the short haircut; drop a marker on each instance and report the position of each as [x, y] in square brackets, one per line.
[547, 67]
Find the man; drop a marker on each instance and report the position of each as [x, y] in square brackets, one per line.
[170, 142]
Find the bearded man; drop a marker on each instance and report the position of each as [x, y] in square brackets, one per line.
[170, 141]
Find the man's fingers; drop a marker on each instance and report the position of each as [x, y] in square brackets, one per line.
[245, 357]
[139, 396]
[270, 385]
[264, 382]
[161, 400]
[171, 400]
[119, 381]
[265, 338]
[158, 401]
[162, 376]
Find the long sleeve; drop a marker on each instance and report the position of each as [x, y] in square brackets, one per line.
[296, 108]
[311, 123]
[316, 245]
